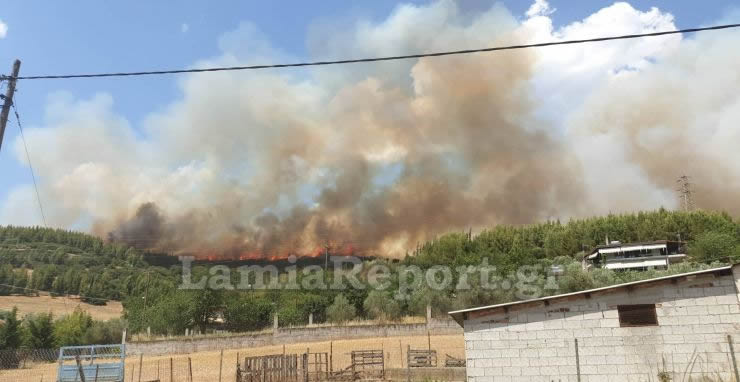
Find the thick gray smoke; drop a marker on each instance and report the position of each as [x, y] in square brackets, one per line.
[376, 158]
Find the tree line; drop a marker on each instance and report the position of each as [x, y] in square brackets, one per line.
[74, 263]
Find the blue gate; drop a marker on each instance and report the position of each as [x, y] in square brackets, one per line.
[102, 363]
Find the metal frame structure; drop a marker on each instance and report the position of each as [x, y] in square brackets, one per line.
[87, 366]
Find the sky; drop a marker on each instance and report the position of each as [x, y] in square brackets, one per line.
[91, 36]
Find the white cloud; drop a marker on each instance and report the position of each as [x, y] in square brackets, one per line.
[540, 8]
[3, 29]
[184, 28]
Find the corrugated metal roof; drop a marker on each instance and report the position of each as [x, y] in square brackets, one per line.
[458, 315]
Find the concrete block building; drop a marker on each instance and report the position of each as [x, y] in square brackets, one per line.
[678, 326]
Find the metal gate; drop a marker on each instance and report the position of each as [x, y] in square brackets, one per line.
[92, 363]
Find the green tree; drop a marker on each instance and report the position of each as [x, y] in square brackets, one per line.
[39, 331]
[70, 330]
[380, 305]
[715, 246]
[10, 331]
[245, 313]
[105, 332]
[423, 296]
[205, 304]
[341, 310]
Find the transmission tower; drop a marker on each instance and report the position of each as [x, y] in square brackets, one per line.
[684, 192]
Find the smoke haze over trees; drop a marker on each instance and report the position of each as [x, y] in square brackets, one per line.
[375, 158]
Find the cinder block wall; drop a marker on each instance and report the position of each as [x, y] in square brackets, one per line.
[186, 345]
[538, 344]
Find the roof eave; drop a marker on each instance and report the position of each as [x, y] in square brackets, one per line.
[460, 315]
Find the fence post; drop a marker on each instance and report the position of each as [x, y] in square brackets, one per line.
[578, 362]
[96, 372]
[408, 364]
[190, 369]
[79, 368]
[331, 356]
[170, 369]
[400, 352]
[734, 361]
[220, 365]
[305, 367]
[141, 358]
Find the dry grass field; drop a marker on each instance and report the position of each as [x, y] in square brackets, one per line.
[205, 365]
[59, 306]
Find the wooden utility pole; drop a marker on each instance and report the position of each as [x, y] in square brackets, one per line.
[326, 258]
[8, 99]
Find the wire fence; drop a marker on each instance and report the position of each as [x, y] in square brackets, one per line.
[41, 365]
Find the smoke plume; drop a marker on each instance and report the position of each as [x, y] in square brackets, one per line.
[374, 158]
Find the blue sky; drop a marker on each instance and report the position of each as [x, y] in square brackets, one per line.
[96, 36]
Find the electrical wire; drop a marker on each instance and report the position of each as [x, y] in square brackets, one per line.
[30, 165]
[377, 59]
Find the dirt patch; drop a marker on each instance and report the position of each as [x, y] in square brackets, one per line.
[59, 306]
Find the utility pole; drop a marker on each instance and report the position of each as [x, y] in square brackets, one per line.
[326, 257]
[8, 99]
[684, 192]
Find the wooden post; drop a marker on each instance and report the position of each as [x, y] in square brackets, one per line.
[408, 364]
[8, 99]
[220, 365]
[734, 361]
[79, 368]
[305, 366]
[133, 371]
[578, 362]
[190, 369]
[331, 356]
[141, 358]
[429, 341]
[171, 369]
[400, 352]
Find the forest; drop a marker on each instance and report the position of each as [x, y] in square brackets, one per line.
[40, 260]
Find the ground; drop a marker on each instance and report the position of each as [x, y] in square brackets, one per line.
[205, 365]
[59, 306]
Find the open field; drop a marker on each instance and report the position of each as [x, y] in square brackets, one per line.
[59, 306]
[205, 365]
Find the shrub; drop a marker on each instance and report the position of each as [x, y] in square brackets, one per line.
[715, 246]
[70, 330]
[341, 310]
[382, 306]
[248, 313]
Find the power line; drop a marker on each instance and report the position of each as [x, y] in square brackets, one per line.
[377, 59]
[30, 165]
